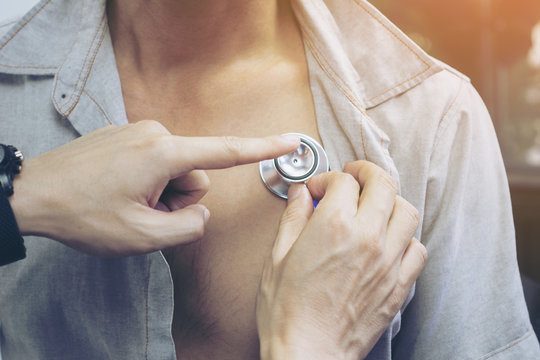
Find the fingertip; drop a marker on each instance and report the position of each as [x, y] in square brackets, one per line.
[296, 190]
[206, 216]
[299, 196]
[422, 249]
[315, 187]
[203, 210]
[359, 168]
[320, 184]
[348, 166]
[184, 225]
[352, 167]
[290, 139]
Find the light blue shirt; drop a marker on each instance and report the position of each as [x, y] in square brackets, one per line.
[377, 96]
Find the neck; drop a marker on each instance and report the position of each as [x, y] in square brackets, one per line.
[164, 34]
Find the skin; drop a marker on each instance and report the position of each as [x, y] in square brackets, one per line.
[215, 68]
[119, 164]
[243, 80]
[353, 258]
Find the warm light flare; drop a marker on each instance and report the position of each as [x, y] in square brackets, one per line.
[534, 53]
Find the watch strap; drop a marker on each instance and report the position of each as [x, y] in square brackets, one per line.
[10, 165]
[11, 242]
[6, 185]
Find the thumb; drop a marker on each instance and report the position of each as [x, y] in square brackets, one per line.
[178, 227]
[293, 221]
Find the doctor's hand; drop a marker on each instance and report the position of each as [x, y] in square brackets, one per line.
[338, 274]
[129, 190]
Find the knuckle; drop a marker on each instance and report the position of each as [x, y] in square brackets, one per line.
[333, 176]
[342, 179]
[359, 168]
[422, 251]
[233, 146]
[339, 221]
[151, 126]
[412, 214]
[356, 165]
[369, 231]
[370, 243]
[159, 146]
[386, 180]
[397, 298]
[402, 283]
[351, 166]
[349, 181]
[367, 167]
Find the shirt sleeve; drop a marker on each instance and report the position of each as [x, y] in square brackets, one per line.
[469, 301]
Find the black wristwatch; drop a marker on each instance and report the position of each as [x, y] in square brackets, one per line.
[11, 242]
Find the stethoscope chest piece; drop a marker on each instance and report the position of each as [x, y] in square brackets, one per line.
[298, 166]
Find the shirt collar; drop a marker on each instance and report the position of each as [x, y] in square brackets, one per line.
[381, 61]
[361, 48]
[67, 38]
[40, 41]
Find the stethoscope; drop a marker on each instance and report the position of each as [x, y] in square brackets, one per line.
[298, 166]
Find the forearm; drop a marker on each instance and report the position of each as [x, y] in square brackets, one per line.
[102, 193]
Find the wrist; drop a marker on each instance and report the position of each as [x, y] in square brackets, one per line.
[277, 351]
[275, 348]
[29, 204]
[296, 345]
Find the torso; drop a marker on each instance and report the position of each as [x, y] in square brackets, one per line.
[216, 278]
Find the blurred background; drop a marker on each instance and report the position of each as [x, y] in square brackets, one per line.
[497, 44]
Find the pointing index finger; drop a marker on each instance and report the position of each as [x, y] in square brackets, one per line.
[223, 152]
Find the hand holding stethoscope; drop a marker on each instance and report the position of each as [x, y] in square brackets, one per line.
[337, 274]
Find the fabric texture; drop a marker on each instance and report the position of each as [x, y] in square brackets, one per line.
[377, 96]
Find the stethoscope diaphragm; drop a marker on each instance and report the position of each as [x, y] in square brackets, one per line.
[298, 166]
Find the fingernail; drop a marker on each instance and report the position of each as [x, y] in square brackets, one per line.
[295, 190]
[291, 139]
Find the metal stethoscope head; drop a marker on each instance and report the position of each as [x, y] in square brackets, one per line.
[298, 166]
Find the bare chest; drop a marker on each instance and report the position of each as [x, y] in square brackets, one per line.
[216, 278]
